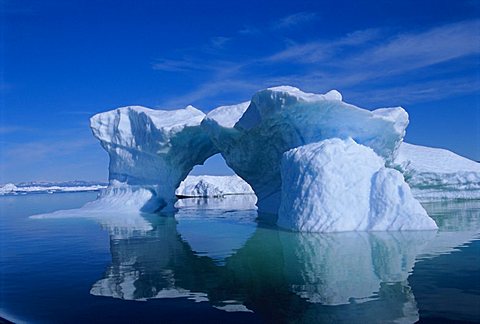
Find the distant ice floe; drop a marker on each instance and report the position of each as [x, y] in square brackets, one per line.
[50, 187]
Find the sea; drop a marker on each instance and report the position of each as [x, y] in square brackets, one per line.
[210, 263]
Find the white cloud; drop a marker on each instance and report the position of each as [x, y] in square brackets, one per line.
[357, 60]
[295, 20]
[14, 129]
[168, 65]
[219, 42]
[413, 51]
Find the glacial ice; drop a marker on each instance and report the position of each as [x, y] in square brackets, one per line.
[212, 186]
[435, 173]
[49, 187]
[153, 149]
[253, 136]
[339, 185]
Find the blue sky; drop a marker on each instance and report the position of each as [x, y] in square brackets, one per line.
[63, 61]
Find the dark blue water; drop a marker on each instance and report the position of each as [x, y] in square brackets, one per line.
[223, 266]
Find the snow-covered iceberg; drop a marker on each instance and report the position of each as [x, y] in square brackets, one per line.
[339, 185]
[8, 188]
[153, 149]
[435, 173]
[49, 187]
[252, 137]
[212, 186]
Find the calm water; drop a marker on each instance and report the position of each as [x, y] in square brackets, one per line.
[222, 265]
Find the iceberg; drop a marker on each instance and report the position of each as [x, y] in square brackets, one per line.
[117, 209]
[152, 149]
[223, 203]
[49, 187]
[253, 136]
[8, 188]
[281, 144]
[338, 185]
[435, 173]
[212, 186]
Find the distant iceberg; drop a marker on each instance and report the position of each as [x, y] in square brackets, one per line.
[50, 187]
[435, 173]
[212, 186]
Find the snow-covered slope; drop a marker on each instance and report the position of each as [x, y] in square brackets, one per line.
[154, 149]
[212, 186]
[338, 185]
[435, 173]
[253, 138]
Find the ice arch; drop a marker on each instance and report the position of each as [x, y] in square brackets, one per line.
[213, 179]
[152, 151]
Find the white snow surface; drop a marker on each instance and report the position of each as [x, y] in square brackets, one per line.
[213, 186]
[228, 116]
[279, 119]
[338, 185]
[435, 173]
[155, 149]
[12, 189]
[117, 209]
[8, 188]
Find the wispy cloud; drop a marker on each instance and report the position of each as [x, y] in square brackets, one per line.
[398, 53]
[249, 30]
[14, 129]
[219, 41]
[324, 51]
[353, 61]
[419, 91]
[413, 51]
[169, 65]
[294, 20]
[39, 150]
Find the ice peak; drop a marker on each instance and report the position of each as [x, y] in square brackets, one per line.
[306, 96]
[333, 95]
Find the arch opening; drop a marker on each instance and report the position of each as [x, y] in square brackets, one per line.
[215, 179]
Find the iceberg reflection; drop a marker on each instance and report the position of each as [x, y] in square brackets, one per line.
[223, 257]
[335, 269]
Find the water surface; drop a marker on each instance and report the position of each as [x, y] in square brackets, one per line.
[211, 263]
